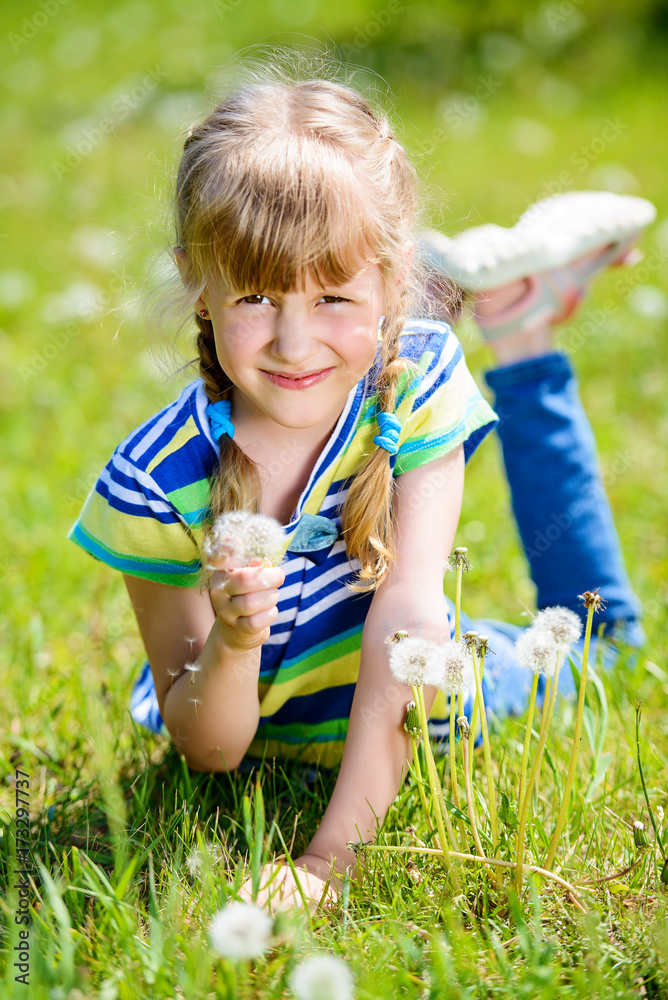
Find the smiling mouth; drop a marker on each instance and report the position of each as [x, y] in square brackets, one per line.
[303, 380]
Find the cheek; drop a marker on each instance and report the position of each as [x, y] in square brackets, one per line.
[238, 341]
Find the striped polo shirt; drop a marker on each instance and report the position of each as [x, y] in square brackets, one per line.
[146, 517]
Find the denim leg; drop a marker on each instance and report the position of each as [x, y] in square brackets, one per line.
[563, 515]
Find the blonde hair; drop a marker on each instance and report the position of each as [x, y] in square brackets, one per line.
[283, 179]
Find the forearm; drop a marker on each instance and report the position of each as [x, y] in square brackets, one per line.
[377, 751]
[213, 713]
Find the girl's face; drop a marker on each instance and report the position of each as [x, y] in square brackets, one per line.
[295, 356]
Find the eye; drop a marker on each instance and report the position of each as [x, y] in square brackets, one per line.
[333, 298]
[256, 299]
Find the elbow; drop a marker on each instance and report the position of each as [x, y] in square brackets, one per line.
[215, 762]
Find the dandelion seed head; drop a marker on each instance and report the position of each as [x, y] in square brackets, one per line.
[194, 668]
[454, 669]
[240, 931]
[240, 536]
[536, 649]
[564, 624]
[322, 977]
[413, 659]
[659, 815]
[265, 539]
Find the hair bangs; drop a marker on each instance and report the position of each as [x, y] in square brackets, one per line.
[276, 219]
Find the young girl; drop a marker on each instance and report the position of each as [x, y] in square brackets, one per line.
[320, 405]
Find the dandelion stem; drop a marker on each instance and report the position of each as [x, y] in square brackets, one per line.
[454, 784]
[561, 818]
[487, 755]
[526, 802]
[458, 601]
[465, 732]
[420, 782]
[527, 740]
[438, 805]
[547, 719]
[534, 869]
[476, 710]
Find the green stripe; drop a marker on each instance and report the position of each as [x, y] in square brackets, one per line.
[192, 497]
[349, 642]
[296, 733]
[155, 570]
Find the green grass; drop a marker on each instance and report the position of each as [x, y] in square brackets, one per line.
[115, 815]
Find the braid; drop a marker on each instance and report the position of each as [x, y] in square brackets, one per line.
[236, 482]
[366, 518]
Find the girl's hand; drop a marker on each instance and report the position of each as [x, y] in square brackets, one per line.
[245, 603]
[279, 889]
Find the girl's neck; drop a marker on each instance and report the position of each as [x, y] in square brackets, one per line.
[285, 458]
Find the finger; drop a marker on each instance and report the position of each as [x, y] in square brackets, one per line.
[252, 624]
[251, 579]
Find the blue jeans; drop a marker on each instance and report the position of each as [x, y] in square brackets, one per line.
[563, 517]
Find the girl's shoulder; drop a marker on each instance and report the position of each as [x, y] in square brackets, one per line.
[424, 339]
[175, 442]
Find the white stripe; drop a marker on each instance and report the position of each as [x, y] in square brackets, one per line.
[327, 602]
[280, 639]
[159, 427]
[134, 497]
[335, 500]
[335, 573]
[449, 349]
[201, 403]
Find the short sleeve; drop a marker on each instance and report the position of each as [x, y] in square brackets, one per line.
[129, 523]
[442, 407]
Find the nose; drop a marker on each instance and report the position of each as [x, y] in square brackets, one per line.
[293, 341]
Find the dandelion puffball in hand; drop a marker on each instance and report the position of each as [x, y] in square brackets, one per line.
[240, 536]
[240, 931]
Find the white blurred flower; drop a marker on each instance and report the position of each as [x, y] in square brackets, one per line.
[241, 930]
[240, 536]
[537, 650]
[323, 977]
[454, 669]
[413, 659]
[565, 625]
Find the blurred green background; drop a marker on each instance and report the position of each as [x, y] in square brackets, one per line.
[500, 104]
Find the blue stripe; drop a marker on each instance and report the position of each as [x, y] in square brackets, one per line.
[323, 706]
[129, 565]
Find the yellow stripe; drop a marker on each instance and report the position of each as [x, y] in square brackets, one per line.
[142, 537]
[342, 670]
[182, 436]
